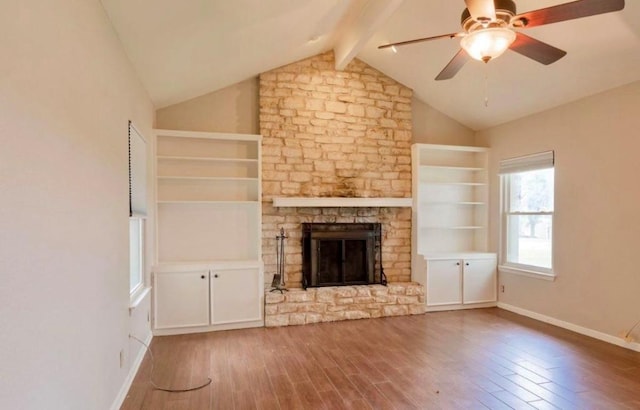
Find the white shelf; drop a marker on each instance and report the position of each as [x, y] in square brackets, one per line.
[178, 266]
[182, 158]
[206, 135]
[454, 183]
[463, 227]
[300, 202]
[450, 168]
[203, 168]
[463, 254]
[461, 148]
[211, 202]
[451, 203]
[239, 179]
[207, 189]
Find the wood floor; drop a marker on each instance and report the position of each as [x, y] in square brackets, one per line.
[476, 359]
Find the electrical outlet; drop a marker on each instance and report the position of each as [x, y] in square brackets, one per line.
[121, 358]
[502, 288]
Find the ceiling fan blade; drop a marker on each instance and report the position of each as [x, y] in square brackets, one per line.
[536, 49]
[569, 11]
[419, 40]
[454, 66]
[481, 10]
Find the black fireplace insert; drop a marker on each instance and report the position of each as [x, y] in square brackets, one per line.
[341, 254]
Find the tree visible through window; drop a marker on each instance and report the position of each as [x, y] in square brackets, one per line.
[530, 218]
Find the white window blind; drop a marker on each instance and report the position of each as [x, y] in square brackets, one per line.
[137, 173]
[541, 160]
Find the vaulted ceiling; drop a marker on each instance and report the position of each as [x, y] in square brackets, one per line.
[183, 49]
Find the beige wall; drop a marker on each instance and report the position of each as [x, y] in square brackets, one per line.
[430, 126]
[235, 109]
[67, 91]
[597, 223]
[231, 109]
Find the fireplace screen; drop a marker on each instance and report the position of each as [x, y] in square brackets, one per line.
[338, 254]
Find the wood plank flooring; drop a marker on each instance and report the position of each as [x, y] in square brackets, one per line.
[477, 359]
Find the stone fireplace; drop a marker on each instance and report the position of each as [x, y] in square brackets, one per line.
[338, 134]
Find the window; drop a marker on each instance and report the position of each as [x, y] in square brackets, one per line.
[137, 208]
[136, 254]
[527, 213]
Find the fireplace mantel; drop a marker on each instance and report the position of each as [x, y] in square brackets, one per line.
[334, 202]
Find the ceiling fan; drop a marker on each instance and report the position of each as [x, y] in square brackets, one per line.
[489, 29]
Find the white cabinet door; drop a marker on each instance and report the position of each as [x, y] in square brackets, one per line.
[181, 299]
[479, 280]
[235, 295]
[444, 282]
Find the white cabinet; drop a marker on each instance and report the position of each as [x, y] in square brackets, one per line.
[479, 280]
[461, 283]
[209, 297]
[444, 282]
[235, 296]
[182, 299]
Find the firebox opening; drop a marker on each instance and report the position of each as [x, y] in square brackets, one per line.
[341, 254]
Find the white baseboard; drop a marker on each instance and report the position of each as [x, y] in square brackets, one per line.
[618, 341]
[210, 328]
[443, 308]
[133, 370]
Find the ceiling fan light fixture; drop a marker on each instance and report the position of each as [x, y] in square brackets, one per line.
[488, 43]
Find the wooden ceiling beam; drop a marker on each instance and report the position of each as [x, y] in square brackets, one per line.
[357, 29]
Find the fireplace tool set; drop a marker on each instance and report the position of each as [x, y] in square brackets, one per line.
[278, 284]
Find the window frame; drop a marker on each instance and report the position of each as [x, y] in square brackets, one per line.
[506, 173]
[138, 185]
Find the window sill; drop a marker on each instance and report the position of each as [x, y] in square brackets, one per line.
[525, 272]
[137, 297]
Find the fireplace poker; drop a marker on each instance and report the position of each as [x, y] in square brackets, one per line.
[278, 279]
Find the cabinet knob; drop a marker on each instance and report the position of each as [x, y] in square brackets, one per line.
[201, 276]
[457, 263]
[466, 264]
[215, 276]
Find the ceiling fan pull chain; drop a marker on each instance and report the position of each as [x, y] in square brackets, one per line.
[486, 85]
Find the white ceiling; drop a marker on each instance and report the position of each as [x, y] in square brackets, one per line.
[183, 49]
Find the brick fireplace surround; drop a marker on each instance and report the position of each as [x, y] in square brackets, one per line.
[329, 133]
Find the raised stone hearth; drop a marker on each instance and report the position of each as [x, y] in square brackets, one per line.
[330, 304]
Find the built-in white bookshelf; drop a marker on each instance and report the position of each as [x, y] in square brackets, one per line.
[449, 226]
[450, 198]
[208, 196]
[208, 273]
